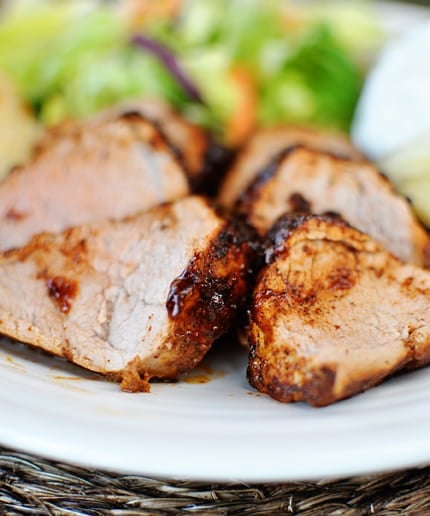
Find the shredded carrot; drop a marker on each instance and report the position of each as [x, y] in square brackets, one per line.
[244, 117]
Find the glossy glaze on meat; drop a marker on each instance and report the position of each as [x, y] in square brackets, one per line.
[135, 299]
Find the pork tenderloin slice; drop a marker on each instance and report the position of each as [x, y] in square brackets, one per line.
[205, 160]
[88, 173]
[191, 141]
[266, 144]
[133, 299]
[334, 314]
[303, 179]
[188, 140]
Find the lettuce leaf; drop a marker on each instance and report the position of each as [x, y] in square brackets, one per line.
[74, 57]
[318, 83]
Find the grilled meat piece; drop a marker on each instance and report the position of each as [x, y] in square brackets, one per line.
[133, 299]
[303, 179]
[87, 173]
[265, 145]
[334, 314]
[205, 160]
[189, 140]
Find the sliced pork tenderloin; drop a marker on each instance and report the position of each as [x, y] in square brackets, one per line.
[135, 299]
[205, 160]
[87, 173]
[333, 313]
[189, 140]
[303, 179]
[266, 144]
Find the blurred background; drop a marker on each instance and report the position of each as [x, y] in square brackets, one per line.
[231, 66]
[228, 65]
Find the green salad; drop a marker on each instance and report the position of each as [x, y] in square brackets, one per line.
[227, 64]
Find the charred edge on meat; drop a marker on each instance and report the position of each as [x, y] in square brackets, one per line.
[245, 234]
[323, 381]
[319, 391]
[242, 230]
[203, 301]
[216, 161]
[288, 223]
[267, 172]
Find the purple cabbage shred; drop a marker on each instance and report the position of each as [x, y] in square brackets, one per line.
[167, 58]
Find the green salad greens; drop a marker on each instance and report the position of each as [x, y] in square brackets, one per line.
[251, 61]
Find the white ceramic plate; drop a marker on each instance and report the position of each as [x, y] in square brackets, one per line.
[216, 430]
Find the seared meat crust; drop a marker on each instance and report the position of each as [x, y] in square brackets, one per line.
[305, 179]
[105, 169]
[135, 299]
[265, 146]
[333, 313]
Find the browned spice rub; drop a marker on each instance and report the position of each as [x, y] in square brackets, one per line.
[135, 299]
[266, 144]
[333, 313]
[303, 179]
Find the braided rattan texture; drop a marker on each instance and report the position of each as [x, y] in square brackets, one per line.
[30, 485]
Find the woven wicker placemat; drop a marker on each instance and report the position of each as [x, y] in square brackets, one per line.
[32, 485]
